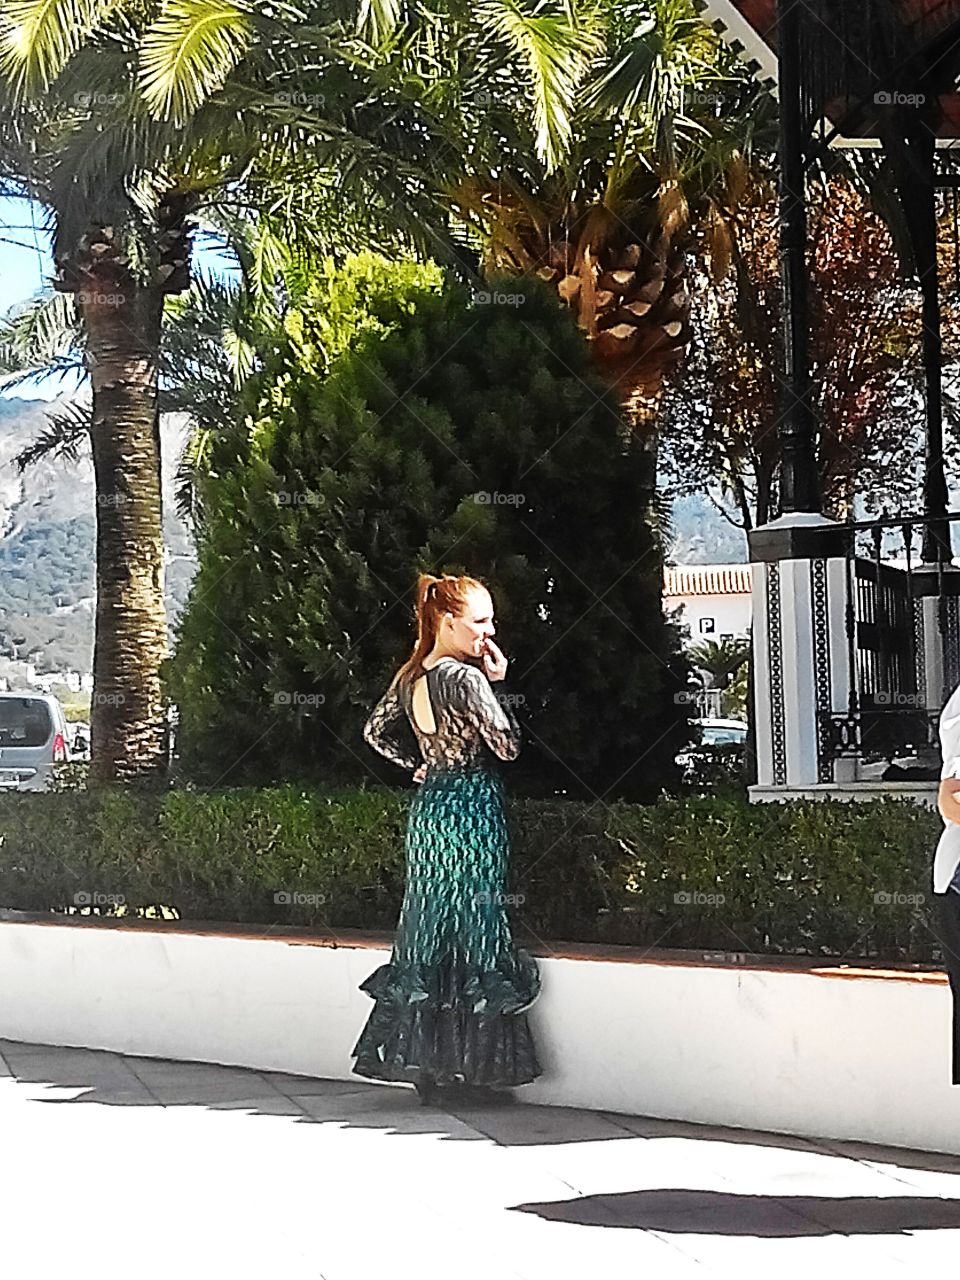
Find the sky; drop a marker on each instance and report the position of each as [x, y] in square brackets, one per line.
[25, 257]
[26, 267]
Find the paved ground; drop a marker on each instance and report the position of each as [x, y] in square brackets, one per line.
[141, 1168]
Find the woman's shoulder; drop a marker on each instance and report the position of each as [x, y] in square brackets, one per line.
[460, 680]
[456, 666]
[457, 674]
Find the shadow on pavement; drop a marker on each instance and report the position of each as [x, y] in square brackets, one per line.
[114, 1079]
[720, 1213]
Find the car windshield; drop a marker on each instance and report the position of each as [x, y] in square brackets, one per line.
[713, 735]
[24, 722]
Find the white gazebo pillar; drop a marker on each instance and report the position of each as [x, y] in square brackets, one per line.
[800, 663]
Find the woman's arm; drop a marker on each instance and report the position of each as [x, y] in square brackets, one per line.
[381, 731]
[495, 721]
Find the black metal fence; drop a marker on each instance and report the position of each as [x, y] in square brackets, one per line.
[890, 713]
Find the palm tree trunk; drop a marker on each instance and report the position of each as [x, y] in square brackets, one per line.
[127, 720]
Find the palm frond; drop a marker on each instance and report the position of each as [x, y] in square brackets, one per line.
[556, 54]
[661, 517]
[241, 354]
[39, 37]
[720, 659]
[40, 338]
[193, 462]
[620, 83]
[322, 184]
[211, 337]
[68, 429]
[209, 344]
[270, 256]
[643, 85]
[378, 19]
[271, 262]
[188, 53]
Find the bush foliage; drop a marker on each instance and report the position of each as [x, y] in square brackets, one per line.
[809, 878]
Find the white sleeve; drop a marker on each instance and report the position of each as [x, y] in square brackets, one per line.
[950, 737]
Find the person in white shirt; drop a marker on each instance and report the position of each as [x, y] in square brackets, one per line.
[946, 862]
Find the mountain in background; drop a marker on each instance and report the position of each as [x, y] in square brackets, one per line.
[703, 536]
[48, 539]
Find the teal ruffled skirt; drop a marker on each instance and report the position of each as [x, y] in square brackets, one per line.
[450, 1005]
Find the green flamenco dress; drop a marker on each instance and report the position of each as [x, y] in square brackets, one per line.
[450, 1006]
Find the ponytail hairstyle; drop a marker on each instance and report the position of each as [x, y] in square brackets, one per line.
[435, 597]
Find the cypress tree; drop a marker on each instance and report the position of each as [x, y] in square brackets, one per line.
[450, 434]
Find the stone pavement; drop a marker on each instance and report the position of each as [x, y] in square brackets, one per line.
[116, 1166]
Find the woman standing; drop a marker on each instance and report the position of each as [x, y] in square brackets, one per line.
[451, 1005]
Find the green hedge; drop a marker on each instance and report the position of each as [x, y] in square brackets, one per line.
[820, 878]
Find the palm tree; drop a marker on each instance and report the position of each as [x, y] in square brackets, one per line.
[600, 141]
[593, 146]
[211, 338]
[723, 665]
[125, 121]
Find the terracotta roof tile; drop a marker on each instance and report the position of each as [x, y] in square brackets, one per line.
[708, 580]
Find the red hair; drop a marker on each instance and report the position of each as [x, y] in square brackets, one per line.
[435, 597]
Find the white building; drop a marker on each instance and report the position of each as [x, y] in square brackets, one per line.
[16, 674]
[715, 599]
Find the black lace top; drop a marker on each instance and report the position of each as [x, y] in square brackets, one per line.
[471, 721]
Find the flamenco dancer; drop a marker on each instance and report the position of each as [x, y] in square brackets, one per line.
[450, 1007]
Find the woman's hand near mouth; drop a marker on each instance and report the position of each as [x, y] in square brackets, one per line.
[494, 663]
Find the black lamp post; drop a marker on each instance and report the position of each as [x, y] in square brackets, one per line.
[799, 482]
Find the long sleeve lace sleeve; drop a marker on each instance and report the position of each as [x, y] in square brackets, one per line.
[388, 731]
[482, 708]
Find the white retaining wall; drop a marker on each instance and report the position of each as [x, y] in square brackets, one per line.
[813, 1053]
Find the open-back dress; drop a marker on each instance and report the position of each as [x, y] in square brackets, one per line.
[451, 1003]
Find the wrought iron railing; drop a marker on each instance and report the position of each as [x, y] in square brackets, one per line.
[891, 714]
